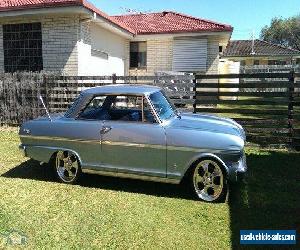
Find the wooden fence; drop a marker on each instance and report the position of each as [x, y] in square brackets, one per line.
[266, 104]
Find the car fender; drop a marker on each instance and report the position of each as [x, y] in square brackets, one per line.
[45, 153]
[200, 156]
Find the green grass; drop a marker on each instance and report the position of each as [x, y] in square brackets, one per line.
[112, 213]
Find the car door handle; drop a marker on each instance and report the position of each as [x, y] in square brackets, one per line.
[105, 130]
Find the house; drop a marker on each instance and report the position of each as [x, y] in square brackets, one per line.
[258, 52]
[76, 38]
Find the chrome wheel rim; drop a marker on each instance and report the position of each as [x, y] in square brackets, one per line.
[208, 180]
[66, 166]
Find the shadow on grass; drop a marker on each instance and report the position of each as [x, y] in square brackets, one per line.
[269, 198]
[33, 170]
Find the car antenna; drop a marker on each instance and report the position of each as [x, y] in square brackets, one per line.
[42, 100]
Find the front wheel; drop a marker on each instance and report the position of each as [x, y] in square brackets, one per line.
[67, 167]
[209, 181]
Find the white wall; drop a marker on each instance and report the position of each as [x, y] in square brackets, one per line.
[94, 37]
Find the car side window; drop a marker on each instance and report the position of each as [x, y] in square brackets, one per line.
[118, 108]
[126, 108]
[93, 109]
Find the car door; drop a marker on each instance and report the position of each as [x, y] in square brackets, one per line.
[85, 139]
[136, 146]
[86, 127]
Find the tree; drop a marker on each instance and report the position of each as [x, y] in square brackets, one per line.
[282, 31]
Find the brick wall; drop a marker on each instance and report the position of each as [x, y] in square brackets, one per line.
[60, 36]
[212, 64]
[160, 56]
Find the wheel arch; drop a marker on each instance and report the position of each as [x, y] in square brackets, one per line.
[54, 151]
[203, 156]
[66, 149]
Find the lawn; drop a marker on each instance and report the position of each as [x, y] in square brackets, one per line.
[104, 212]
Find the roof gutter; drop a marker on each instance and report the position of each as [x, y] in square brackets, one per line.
[226, 34]
[75, 9]
[41, 10]
[107, 24]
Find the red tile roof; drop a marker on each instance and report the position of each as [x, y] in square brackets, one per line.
[152, 23]
[6, 5]
[169, 22]
[10, 5]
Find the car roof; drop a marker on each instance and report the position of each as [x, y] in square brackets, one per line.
[126, 89]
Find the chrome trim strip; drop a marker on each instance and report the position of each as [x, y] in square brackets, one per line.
[173, 148]
[138, 145]
[59, 139]
[153, 111]
[131, 176]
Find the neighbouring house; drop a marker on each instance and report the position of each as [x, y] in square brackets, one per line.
[258, 52]
[76, 38]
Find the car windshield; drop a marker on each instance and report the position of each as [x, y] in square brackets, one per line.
[162, 105]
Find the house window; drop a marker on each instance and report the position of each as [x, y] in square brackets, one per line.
[220, 49]
[22, 44]
[138, 54]
[256, 62]
[243, 63]
[276, 62]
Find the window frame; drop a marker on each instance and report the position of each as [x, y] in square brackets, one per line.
[280, 62]
[130, 56]
[156, 121]
[256, 62]
[23, 47]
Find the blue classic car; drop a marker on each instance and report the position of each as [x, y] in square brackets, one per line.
[134, 131]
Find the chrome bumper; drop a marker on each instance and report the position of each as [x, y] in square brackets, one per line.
[238, 170]
[22, 150]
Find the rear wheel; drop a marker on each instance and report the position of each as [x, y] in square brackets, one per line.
[209, 181]
[67, 167]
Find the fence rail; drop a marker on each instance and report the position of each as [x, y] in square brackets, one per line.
[267, 107]
[266, 104]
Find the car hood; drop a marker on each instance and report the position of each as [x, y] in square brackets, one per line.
[207, 122]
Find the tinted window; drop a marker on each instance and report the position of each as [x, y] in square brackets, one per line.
[94, 109]
[120, 107]
[162, 106]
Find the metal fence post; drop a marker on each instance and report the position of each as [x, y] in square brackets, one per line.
[291, 91]
[43, 92]
[195, 94]
[114, 79]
